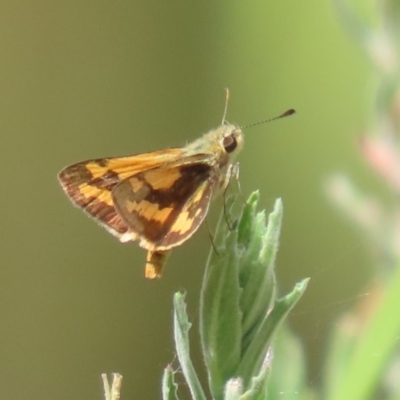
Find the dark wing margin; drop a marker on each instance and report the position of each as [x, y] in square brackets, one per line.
[93, 194]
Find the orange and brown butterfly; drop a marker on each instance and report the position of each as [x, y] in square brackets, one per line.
[159, 198]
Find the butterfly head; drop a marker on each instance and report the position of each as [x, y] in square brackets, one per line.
[231, 139]
[224, 142]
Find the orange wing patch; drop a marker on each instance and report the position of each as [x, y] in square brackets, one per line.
[89, 185]
[190, 217]
[165, 206]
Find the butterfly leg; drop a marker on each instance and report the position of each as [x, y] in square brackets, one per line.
[211, 237]
[155, 262]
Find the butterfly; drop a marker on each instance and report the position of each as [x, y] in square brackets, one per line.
[159, 198]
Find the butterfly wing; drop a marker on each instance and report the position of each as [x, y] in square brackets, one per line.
[164, 206]
[89, 185]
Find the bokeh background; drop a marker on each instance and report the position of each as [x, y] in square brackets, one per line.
[86, 79]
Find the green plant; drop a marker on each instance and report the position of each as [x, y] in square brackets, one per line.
[239, 310]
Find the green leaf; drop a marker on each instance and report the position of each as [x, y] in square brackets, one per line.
[169, 386]
[220, 313]
[237, 296]
[258, 282]
[255, 354]
[259, 383]
[181, 333]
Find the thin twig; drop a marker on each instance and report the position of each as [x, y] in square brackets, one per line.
[112, 393]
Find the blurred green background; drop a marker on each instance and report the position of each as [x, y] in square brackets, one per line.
[86, 79]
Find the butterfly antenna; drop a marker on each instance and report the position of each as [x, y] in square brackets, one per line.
[285, 114]
[226, 106]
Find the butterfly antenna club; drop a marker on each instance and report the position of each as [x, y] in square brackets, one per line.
[283, 115]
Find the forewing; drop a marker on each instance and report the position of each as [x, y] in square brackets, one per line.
[89, 185]
[163, 207]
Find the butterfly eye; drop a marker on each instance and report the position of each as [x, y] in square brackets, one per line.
[229, 143]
